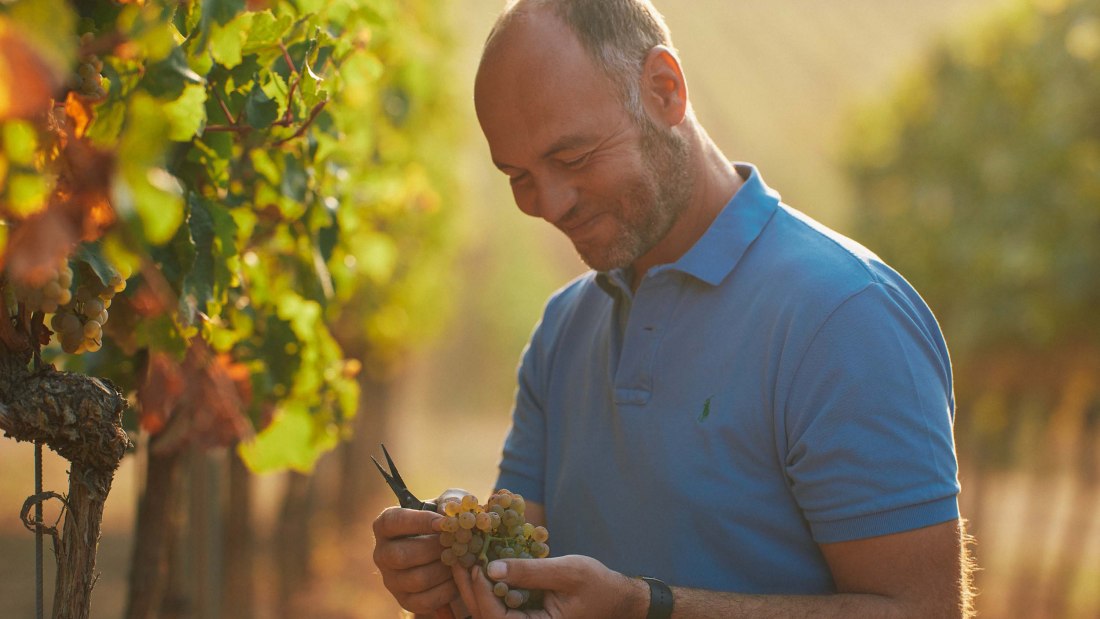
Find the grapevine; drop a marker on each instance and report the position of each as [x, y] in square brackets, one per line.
[474, 533]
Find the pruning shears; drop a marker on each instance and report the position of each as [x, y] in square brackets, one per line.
[404, 498]
[408, 500]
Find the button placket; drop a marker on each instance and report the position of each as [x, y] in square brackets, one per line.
[652, 306]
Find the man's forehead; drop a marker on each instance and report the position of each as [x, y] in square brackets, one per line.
[532, 37]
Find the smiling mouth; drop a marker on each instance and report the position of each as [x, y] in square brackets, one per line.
[580, 226]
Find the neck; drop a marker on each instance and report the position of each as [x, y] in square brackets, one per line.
[714, 182]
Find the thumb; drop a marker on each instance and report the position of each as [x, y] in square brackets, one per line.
[555, 574]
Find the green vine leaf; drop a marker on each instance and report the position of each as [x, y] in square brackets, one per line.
[187, 114]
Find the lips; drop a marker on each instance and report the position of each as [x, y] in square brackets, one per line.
[581, 226]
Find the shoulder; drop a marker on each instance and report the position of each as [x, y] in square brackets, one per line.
[806, 267]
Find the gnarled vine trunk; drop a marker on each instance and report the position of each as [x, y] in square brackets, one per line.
[79, 417]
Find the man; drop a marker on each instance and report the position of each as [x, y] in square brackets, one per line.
[737, 401]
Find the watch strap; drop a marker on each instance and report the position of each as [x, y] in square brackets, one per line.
[660, 599]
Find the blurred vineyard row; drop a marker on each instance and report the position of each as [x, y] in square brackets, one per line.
[979, 178]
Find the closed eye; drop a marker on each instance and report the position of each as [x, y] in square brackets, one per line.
[577, 162]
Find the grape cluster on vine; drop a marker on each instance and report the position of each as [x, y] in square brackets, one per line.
[48, 297]
[79, 324]
[78, 317]
[89, 73]
[473, 533]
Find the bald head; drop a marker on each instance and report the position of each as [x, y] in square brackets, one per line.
[617, 35]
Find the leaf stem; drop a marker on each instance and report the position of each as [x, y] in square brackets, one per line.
[301, 130]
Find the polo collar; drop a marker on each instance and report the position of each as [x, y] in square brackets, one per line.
[721, 247]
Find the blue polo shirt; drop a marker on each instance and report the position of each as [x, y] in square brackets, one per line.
[776, 388]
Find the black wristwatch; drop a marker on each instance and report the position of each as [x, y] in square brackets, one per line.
[660, 599]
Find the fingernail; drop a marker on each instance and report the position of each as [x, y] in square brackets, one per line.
[497, 570]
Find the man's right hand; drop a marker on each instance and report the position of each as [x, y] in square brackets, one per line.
[406, 551]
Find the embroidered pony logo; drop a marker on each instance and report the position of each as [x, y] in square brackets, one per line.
[706, 410]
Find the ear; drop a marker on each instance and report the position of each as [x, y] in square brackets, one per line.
[664, 89]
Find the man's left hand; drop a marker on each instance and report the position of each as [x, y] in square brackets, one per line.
[573, 586]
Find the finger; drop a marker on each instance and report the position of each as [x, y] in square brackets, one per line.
[464, 585]
[554, 574]
[426, 602]
[417, 579]
[408, 552]
[491, 606]
[398, 522]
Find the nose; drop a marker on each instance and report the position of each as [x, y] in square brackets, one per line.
[553, 198]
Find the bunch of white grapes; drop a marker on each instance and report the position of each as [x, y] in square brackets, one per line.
[475, 533]
[48, 297]
[79, 324]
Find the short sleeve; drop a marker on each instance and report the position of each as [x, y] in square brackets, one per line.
[868, 420]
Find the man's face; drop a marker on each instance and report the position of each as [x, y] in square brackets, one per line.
[573, 154]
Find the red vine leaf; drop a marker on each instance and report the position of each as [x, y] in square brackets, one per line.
[26, 81]
[37, 245]
[79, 111]
[200, 401]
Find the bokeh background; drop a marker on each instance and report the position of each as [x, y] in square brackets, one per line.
[960, 139]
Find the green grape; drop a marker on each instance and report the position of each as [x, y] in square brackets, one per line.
[65, 277]
[447, 539]
[71, 341]
[500, 589]
[451, 507]
[449, 524]
[52, 289]
[514, 598]
[92, 307]
[93, 330]
[467, 560]
[484, 521]
[475, 544]
[464, 535]
[448, 557]
[469, 502]
[459, 549]
[540, 534]
[466, 520]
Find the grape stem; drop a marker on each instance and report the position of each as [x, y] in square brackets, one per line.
[482, 556]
